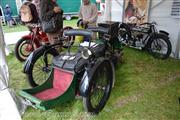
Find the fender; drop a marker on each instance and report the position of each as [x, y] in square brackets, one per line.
[87, 77]
[27, 36]
[163, 32]
[152, 35]
[38, 51]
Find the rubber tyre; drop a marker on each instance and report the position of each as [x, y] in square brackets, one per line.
[165, 39]
[93, 85]
[41, 69]
[18, 49]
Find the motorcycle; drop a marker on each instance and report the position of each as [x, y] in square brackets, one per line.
[28, 43]
[146, 37]
[89, 72]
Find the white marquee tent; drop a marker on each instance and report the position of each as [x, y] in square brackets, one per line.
[11, 106]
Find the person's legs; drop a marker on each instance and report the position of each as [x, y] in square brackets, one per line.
[53, 37]
[94, 37]
[9, 23]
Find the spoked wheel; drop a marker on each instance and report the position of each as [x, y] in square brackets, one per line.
[123, 35]
[23, 48]
[99, 88]
[160, 47]
[68, 40]
[40, 68]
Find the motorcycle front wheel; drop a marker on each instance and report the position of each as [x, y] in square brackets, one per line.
[160, 47]
[99, 88]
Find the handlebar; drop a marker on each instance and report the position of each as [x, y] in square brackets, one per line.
[99, 29]
[150, 24]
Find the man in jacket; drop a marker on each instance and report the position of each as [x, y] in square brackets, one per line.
[49, 9]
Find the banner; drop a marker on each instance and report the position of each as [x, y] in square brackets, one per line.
[136, 11]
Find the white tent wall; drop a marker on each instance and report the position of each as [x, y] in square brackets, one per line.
[2, 18]
[11, 106]
[18, 4]
[4, 75]
[160, 12]
[117, 10]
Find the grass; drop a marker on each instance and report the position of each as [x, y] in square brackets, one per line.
[145, 89]
[19, 28]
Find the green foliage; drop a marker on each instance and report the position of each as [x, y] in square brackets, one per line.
[145, 89]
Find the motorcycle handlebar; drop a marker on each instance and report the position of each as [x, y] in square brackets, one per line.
[147, 23]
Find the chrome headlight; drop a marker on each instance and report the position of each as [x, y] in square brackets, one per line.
[86, 53]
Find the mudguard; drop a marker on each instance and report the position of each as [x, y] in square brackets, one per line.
[87, 77]
[26, 36]
[151, 38]
[29, 36]
[35, 53]
[152, 35]
[163, 32]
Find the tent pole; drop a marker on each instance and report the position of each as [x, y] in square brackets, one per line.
[108, 10]
[177, 46]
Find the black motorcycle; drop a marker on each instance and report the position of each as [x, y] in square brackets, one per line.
[146, 37]
[93, 65]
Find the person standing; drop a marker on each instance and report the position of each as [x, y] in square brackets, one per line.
[89, 13]
[49, 9]
[8, 15]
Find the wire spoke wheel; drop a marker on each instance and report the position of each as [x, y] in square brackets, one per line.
[41, 67]
[99, 88]
[160, 47]
[40, 71]
[23, 48]
[123, 36]
[26, 48]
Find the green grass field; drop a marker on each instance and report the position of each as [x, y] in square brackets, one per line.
[145, 89]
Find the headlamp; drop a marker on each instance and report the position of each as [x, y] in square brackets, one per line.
[86, 53]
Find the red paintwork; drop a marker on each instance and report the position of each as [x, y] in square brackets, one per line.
[38, 38]
[61, 82]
